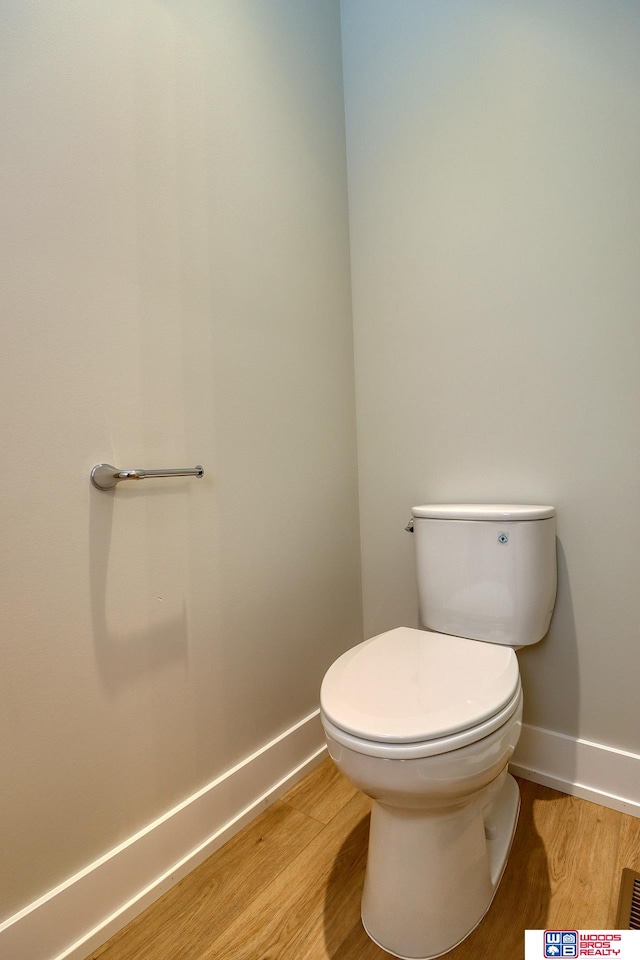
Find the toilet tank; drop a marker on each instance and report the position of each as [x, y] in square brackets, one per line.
[486, 571]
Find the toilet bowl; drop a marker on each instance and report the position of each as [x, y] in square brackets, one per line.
[425, 721]
[441, 727]
[440, 834]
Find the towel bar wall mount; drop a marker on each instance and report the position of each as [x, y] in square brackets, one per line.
[104, 476]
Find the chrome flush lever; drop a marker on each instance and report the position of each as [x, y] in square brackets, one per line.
[409, 526]
[104, 476]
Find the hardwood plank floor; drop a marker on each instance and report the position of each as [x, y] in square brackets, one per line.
[322, 793]
[628, 856]
[184, 922]
[288, 886]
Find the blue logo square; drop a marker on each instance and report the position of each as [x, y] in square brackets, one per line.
[560, 943]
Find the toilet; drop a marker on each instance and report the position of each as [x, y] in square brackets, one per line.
[424, 722]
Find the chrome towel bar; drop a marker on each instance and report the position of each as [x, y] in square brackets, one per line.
[104, 476]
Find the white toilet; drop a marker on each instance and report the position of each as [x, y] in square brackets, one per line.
[424, 722]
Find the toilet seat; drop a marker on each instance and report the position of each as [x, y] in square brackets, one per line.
[414, 693]
[423, 748]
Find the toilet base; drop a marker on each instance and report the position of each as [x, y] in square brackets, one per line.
[432, 875]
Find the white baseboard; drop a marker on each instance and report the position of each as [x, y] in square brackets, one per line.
[88, 908]
[581, 768]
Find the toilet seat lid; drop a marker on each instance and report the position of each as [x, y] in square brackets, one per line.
[409, 685]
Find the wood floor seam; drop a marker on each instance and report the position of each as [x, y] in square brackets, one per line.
[308, 815]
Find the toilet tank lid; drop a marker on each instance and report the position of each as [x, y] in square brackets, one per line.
[482, 511]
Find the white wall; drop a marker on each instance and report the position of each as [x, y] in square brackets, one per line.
[494, 150]
[176, 290]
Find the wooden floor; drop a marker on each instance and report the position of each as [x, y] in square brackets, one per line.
[288, 886]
